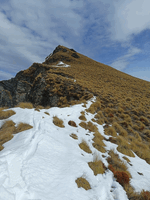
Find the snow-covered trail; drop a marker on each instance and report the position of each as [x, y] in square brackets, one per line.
[44, 162]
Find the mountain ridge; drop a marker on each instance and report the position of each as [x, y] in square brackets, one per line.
[108, 129]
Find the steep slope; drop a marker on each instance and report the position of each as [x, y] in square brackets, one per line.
[119, 120]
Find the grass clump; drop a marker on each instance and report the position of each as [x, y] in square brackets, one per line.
[116, 163]
[46, 113]
[72, 123]
[84, 146]
[6, 114]
[58, 122]
[124, 147]
[97, 165]
[110, 131]
[98, 142]
[119, 129]
[8, 129]
[74, 136]
[94, 107]
[82, 117]
[23, 127]
[82, 182]
[25, 105]
[89, 125]
[6, 132]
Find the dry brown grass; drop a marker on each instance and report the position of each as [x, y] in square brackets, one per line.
[22, 127]
[82, 117]
[74, 136]
[89, 125]
[97, 165]
[119, 129]
[72, 123]
[6, 132]
[8, 129]
[6, 114]
[25, 105]
[58, 122]
[127, 159]
[98, 142]
[144, 195]
[94, 107]
[40, 107]
[116, 163]
[110, 131]
[82, 182]
[84, 146]
[46, 113]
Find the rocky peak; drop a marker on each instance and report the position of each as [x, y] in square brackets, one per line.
[65, 54]
[41, 85]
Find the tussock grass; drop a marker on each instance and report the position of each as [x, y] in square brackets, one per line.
[8, 129]
[82, 117]
[74, 136]
[72, 123]
[23, 127]
[94, 107]
[25, 105]
[40, 107]
[82, 182]
[97, 165]
[99, 118]
[84, 146]
[116, 163]
[6, 132]
[141, 149]
[6, 114]
[110, 131]
[89, 125]
[120, 129]
[144, 195]
[127, 159]
[58, 122]
[46, 113]
[98, 142]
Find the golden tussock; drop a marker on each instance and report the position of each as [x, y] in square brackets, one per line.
[58, 122]
[82, 182]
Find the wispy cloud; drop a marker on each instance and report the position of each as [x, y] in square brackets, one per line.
[129, 18]
[101, 29]
[122, 62]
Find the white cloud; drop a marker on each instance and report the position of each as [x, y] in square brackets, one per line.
[123, 61]
[129, 17]
[32, 29]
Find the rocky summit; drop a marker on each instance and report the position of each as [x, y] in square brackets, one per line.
[67, 77]
[41, 84]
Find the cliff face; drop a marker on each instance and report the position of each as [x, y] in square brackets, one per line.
[41, 85]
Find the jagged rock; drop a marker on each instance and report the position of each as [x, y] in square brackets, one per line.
[73, 50]
[75, 55]
[37, 86]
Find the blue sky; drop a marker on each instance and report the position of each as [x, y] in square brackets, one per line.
[113, 32]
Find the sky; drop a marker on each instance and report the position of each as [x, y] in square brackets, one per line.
[45, 161]
[113, 32]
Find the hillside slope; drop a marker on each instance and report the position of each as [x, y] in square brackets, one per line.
[67, 156]
[116, 127]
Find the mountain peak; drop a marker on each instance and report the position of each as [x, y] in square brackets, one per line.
[65, 54]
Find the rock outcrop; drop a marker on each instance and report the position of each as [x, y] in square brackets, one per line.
[40, 86]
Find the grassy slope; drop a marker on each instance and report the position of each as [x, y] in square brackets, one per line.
[123, 101]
